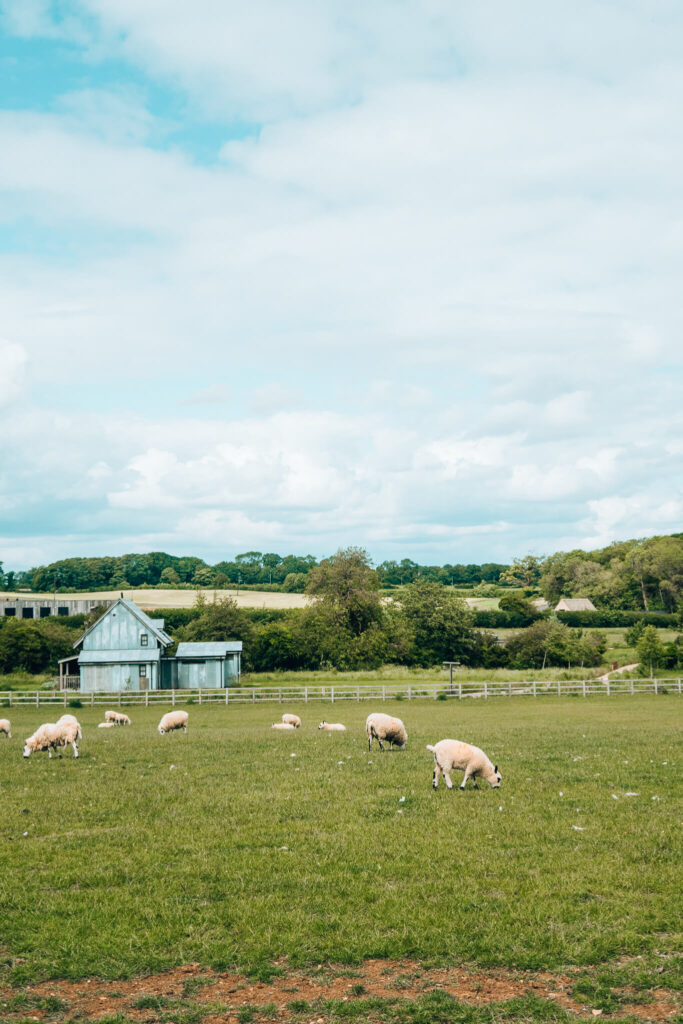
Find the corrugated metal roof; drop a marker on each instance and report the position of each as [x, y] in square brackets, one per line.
[153, 627]
[575, 604]
[208, 650]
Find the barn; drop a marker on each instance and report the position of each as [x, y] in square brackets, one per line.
[126, 650]
[575, 604]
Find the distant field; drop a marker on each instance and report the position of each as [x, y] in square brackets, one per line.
[236, 845]
[147, 599]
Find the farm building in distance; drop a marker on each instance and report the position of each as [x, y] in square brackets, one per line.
[126, 650]
[575, 604]
[44, 607]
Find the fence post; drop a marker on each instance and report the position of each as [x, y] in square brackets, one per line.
[486, 691]
[119, 698]
[679, 686]
[633, 691]
[583, 684]
[608, 686]
[459, 689]
[509, 688]
[37, 698]
[279, 695]
[305, 695]
[332, 693]
[358, 693]
[92, 698]
[384, 693]
[410, 693]
[655, 685]
[65, 698]
[533, 685]
[434, 691]
[173, 698]
[199, 693]
[253, 695]
[559, 688]
[9, 695]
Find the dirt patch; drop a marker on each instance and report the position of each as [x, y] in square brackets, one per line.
[225, 994]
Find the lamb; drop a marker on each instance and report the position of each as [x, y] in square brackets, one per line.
[52, 736]
[173, 720]
[292, 720]
[332, 727]
[116, 718]
[6, 727]
[450, 754]
[106, 725]
[286, 726]
[71, 720]
[379, 726]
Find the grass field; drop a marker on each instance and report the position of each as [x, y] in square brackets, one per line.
[237, 846]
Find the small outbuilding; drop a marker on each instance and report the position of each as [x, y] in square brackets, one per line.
[206, 665]
[575, 604]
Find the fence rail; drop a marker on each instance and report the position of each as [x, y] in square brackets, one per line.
[343, 692]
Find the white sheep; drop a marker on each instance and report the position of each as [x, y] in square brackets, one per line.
[292, 720]
[51, 736]
[71, 720]
[6, 727]
[285, 726]
[450, 754]
[173, 720]
[379, 726]
[106, 725]
[116, 718]
[332, 727]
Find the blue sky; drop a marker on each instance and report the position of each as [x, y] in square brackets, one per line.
[291, 276]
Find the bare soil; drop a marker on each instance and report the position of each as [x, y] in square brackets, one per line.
[93, 999]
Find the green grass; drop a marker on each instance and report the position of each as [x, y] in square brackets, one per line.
[220, 847]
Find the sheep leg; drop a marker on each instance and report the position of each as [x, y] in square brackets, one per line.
[465, 778]
[75, 748]
[435, 777]
[447, 777]
[380, 744]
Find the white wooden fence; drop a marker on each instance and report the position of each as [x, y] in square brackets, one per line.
[343, 692]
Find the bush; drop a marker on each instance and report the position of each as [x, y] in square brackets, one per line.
[607, 618]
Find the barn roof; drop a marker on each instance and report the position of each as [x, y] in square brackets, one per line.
[575, 604]
[208, 650]
[151, 624]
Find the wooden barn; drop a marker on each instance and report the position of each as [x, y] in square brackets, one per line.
[126, 650]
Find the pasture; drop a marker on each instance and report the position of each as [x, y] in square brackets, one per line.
[239, 847]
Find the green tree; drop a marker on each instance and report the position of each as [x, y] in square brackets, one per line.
[516, 604]
[650, 649]
[203, 577]
[440, 624]
[524, 572]
[169, 577]
[348, 584]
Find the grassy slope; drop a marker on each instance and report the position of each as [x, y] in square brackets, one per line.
[220, 847]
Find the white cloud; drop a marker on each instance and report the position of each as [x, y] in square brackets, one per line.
[13, 363]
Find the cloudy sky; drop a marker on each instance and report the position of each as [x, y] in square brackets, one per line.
[296, 275]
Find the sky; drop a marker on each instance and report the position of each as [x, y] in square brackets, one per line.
[292, 276]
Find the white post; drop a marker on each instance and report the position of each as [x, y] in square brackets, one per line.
[559, 688]
[460, 690]
[486, 691]
[633, 691]
[655, 684]
[199, 692]
[332, 693]
[434, 691]
[65, 698]
[384, 693]
[146, 698]
[37, 698]
[227, 691]
[410, 693]
[305, 695]
[253, 695]
[679, 686]
[92, 698]
[119, 698]
[583, 684]
[608, 686]
[533, 686]
[173, 698]
[509, 688]
[358, 693]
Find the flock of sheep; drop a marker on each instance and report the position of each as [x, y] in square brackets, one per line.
[448, 754]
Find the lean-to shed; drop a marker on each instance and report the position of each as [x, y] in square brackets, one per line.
[208, 664]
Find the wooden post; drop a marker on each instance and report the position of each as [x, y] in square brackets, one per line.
[358, 693]
[37, 698]
[173, 698]
[583, 684]
[92, 698]
[460, 690]
[509, 688]
[559, 688]
[227, 691]
[486, 691]
[533, 687]
[410, 693]
[253, 695]
[119, 698]
[305, 695]
[434, 691]
[199, 693]
[332, 693]
[9, 697]
[633, 691]
[679, 686]
[65, 698]
[655, 685]
[146, 698]
[279, 696]
[384, 693]
[608, 686]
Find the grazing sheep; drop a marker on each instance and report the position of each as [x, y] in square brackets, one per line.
[292, 720]
[379, 726]
[450, 754]
[51, 736]
[332, 727]
[71, 720]
[6, 727]
[116, 718]
[285, 726]
[173, 720]
[106, 725]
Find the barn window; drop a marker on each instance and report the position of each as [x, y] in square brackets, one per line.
[143, 671]
[62, 611]
[27, 613]
[44, 612]
[144, 639]
[10, 611]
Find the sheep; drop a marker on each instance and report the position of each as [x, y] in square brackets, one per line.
[71, 720]
[379, 726]
[106, 725]
[116, 718]
[51, 736]
[332, 727]
[292, 720]
[284, 726]
[6, 727]
[173, 720]
[450, 754]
